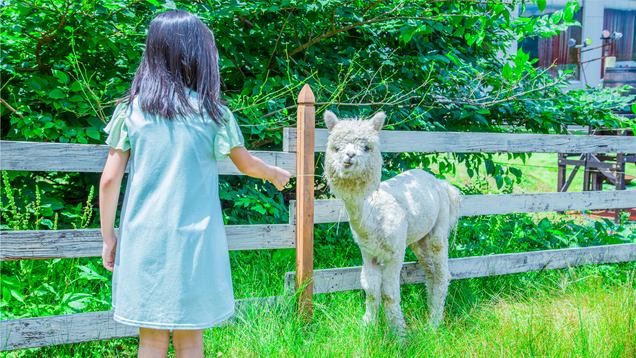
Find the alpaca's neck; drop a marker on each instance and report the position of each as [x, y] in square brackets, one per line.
[354, 192]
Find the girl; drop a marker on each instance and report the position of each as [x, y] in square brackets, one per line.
[170, 262]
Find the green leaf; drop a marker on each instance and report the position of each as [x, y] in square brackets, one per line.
[470, 38]
[506, 71]
[48, 223]
[499, 180]
[56, 93]
[18, 296]
[634, 107]
[490, 166]
[541, 4]
[556, 17]
[76, 86]
[93, 133]
[62, 76]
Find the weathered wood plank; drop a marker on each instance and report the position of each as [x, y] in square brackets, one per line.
[71, 157]
[544, 202]
[46, 244]
[589, 164]
[305, 194]
[260, 237]
[325, 211]
[86, 327]
[333, 210]
[466, 142]
[345, 279]
[64, 329]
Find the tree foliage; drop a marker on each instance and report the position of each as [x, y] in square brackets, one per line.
[432, 65]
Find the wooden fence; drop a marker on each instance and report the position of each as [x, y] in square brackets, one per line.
[84, 327]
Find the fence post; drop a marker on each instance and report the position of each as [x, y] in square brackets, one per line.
[305, 200]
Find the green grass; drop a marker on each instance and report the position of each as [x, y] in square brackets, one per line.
[578, 312]
[584, 312]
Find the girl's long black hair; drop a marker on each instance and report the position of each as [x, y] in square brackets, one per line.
[180, 54]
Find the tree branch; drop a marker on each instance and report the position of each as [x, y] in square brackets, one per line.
[372, 21]
[277, 40]
[46, 37]
[126, 7]
[11, 108]
[246, 22]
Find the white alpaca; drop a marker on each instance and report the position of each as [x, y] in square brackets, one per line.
[413, 208]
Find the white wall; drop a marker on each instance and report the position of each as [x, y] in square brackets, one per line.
[592, 22]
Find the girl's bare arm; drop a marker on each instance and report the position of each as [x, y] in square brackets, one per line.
[255, 167]
[109, 187]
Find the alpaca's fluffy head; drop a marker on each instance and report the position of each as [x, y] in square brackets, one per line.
[353, 161]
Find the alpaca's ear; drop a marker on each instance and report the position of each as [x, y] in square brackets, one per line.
[378, 120]
[330, 119]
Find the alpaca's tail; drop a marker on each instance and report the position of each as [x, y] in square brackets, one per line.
[455, 198]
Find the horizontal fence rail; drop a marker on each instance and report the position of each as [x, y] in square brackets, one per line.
[71, 157]
[48, 244]
[346, 279]
[466, 142]
[333, 210]
[84, 327]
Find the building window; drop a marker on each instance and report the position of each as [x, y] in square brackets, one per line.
[554, 49]
[624, 49]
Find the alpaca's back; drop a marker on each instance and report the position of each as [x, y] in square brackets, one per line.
[423, 199]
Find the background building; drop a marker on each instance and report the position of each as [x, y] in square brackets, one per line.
[595, 16]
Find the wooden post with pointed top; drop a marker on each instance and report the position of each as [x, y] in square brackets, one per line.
[305, 200]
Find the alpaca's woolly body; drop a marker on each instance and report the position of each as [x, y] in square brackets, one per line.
[412, 209]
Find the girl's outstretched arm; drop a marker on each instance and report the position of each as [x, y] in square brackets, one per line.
[255, 167]
[109, 187]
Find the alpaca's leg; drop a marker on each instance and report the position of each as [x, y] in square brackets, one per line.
[371, 280]
[391, 293]
[438, 245]
[423, 254]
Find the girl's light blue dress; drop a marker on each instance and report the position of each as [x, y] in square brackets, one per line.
[172, 268]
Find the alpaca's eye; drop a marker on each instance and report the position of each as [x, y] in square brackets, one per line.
[336, 149]
[366, 148]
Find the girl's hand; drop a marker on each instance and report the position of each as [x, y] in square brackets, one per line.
[256, 168]
[280, 178]
[108, 253]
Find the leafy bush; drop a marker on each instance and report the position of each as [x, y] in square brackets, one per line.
[431, 65]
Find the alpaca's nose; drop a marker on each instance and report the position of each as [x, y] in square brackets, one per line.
[351, 153]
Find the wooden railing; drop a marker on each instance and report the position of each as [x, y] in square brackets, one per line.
[83, 327]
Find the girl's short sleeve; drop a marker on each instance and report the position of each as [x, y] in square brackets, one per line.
[116, 129]
[228, 136]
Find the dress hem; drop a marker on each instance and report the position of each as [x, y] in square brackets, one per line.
[171, 326]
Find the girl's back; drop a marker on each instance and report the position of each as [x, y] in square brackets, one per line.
[171, 228]
[170, 263]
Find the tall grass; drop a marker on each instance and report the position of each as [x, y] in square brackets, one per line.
[584, 312]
